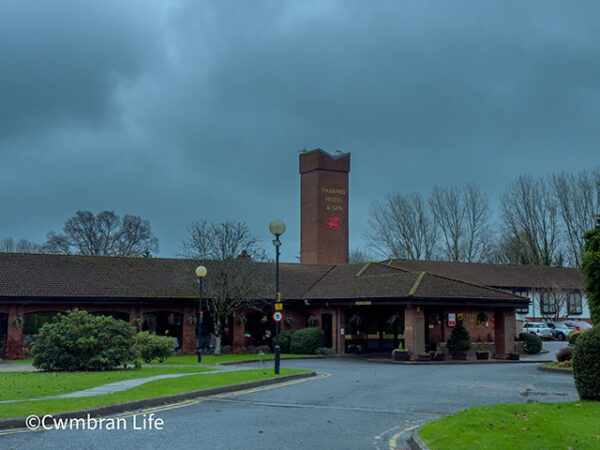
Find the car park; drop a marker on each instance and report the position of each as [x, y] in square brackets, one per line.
[560, 331]
[538, 328]
[577, 324]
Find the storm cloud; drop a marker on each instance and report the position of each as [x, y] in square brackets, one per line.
[181, 111]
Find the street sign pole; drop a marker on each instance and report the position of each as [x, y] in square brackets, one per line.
[277, 351]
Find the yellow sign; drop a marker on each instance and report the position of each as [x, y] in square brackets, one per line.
[362, 302]
[278, 306]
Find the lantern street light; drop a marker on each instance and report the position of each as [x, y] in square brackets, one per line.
[200, 274]
[277, 228]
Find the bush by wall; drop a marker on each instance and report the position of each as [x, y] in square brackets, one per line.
[532, 343]
[574, 335]
[285, 340]
[307, 340]
[564, 354]
[460, 340]
[153, 347]
[586, 364]
[77, 340]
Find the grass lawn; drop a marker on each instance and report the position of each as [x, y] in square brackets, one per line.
[148, 390]
[22, 385]
[213, 360]
[206, 359]
[554, 365]
[518, 426]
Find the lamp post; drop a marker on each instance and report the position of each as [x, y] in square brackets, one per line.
[200, 274]
[277, 228]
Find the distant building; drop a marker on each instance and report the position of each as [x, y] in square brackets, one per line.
[369, 307]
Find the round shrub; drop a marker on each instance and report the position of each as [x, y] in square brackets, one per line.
[77, 340]
[574, 335]
[586, 364]
[532, 343]
[460, 340]
[285, 340]
[564, 354]
[307, 340]
[153, 347]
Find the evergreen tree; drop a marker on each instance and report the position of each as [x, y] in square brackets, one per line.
[460, 340]
[590, 267]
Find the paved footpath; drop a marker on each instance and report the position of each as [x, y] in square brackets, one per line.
[117, 386]
[351, 404]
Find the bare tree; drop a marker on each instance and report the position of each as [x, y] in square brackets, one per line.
[403, 227]
[530, 215]
[358, 255]
[103, 234]
[462, 215]
[553, 302]
[232, 281]
[577, 196]
[8, 245]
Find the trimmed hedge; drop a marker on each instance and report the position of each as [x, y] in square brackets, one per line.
[573, 336]
[153, 347]
[78, 340]
[285, 341]
[307, 340]
[586, 364]
[564, 354]
[533, 343]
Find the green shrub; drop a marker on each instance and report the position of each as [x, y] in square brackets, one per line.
[77, 340]
[460, 340]
[586, 364]
[307, 340]
[285, 340]
[574, 335]
[153, 347]
[564, 354]
[533, 343]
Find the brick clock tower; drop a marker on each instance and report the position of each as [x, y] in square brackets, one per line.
[324, 207]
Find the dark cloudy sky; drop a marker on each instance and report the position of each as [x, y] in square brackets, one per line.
[180, 111]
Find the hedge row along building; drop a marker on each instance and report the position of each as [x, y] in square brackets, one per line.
[366, 307]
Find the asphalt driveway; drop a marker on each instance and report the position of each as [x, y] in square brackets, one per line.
[351, 404]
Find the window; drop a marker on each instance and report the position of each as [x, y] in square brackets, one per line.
[574, 303]
[548, 303]
[523, 310]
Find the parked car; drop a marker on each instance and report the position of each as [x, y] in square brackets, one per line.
[539, 328]
[577, 324]
[560, 331]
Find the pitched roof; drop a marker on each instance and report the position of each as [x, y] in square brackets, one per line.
[90, 277]
[28, 275]
[70, 276]
[499, 275]
[377, 281]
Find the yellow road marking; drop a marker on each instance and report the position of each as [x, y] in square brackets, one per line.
[393, 442]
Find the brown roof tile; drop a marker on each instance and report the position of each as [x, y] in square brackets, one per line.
[499, 275]
[72, 277]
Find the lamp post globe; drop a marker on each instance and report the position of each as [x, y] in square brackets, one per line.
[201, 271]
[200, 274]
[277, 227]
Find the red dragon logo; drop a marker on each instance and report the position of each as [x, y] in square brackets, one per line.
[334, 223]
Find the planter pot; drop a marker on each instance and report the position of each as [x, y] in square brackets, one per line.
[424, 358]
[400, 356]
[459, 356]
[513, 356]
[482, 355]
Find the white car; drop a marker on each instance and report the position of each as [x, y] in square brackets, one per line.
[539, 328]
